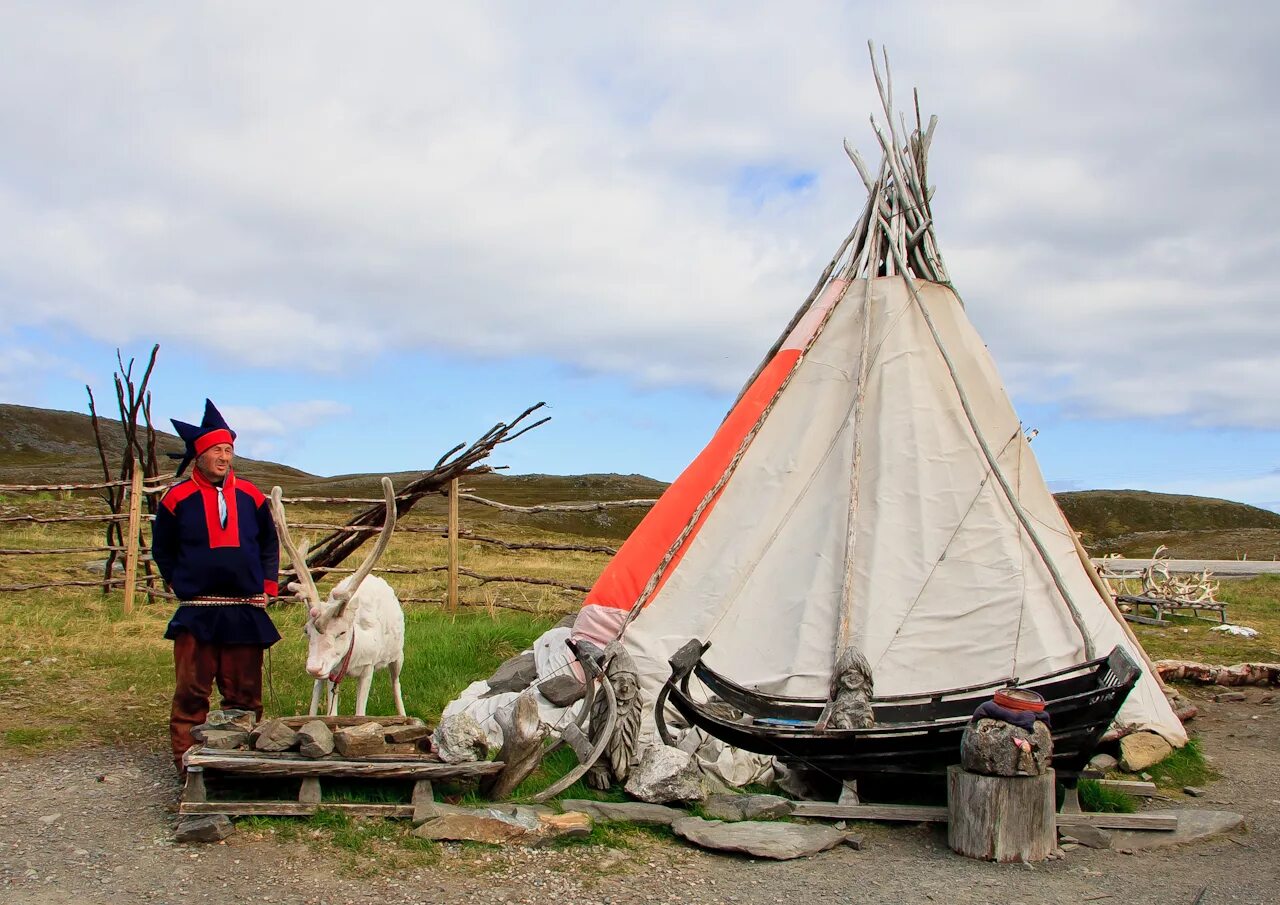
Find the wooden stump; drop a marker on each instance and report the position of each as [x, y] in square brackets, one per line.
[1000, 818]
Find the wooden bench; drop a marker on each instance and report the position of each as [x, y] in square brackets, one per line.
[242, 766]
[1161, 605]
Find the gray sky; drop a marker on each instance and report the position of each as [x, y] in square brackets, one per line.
[637, 199]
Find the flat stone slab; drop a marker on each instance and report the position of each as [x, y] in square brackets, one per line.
[500, 826]
[626, 811]
[779, 841]
[728, 806]
[1193, 826]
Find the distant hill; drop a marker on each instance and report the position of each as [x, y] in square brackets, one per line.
[43, 446]
[1135, 522]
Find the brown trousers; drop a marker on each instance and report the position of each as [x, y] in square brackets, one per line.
[237, 668]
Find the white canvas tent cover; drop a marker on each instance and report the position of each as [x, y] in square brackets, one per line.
[872, 486]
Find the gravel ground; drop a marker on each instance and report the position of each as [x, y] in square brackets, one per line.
[94, 826]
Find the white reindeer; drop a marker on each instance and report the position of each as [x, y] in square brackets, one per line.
[359, 629]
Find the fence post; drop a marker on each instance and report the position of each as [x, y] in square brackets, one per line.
[131, 545]
[453, 546]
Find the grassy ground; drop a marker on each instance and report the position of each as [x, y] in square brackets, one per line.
[74, 668]
[1253, 602]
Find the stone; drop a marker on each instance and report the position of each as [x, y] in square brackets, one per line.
[213, 828]
[1100, 765]
[733, 807]
[274, 736]
[779, 841]
[625, 811]
[491, 828]
[990, 747]
[1090, 836]
[1230, 696]
[1193, 791]
[360, 741]
[1140, 750]
[315, 739]
[398, 735]
[502, 825]
[664, 775]
[570, 824]
[563, 689]
[224, 739]
[459, 740]
[1193, 826]
[231, 719]
[515, 674]
[854, 841]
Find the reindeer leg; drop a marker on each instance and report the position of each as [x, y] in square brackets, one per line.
[393, 670]
[315, 697]
[362, 691]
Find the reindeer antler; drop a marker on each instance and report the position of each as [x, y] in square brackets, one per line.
[349, 588]
[297, 555]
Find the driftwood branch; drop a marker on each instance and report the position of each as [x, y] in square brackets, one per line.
[332, 550]
[1267, 674]
[61, 584]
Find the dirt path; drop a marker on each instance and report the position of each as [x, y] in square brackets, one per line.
[94, 827]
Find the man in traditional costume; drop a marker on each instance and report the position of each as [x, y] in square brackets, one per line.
[215, 544]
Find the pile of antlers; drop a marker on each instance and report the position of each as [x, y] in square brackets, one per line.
[1159, 584]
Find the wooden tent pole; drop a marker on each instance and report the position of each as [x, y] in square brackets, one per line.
[131, 545]
[1105, 593]
[453, 546]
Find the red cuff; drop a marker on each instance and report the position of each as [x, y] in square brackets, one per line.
[271, 588]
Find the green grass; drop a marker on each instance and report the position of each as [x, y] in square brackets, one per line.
[366, 847]
[1105, 800]
[1184, 767]
[1253, 602]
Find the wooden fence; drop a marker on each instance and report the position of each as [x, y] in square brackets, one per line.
[137, 555]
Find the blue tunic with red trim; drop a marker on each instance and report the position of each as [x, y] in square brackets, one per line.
[199, 557]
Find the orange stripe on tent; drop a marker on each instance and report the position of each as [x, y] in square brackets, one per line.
[623, 580]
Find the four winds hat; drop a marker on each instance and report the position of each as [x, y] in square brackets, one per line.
[212, 431]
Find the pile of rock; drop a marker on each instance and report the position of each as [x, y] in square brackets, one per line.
[231, 730]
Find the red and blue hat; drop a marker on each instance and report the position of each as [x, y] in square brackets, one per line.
[211, 431]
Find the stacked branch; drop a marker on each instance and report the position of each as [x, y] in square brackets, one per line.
[133, 400]
[461, 461]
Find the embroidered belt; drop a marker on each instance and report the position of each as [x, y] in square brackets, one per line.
[260, 601]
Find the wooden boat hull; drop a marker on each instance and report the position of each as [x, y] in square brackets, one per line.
[913, 733]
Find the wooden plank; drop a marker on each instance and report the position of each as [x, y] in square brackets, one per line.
[398, 754]
[915, 813]
[310, 792]
[292, 809]
[131, 542]
[302, 767]
[1141, 789]
[452, 594]
[1167, 821]
[424, 800]
[194, 789]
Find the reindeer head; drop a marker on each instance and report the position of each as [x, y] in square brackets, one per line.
[330, 622]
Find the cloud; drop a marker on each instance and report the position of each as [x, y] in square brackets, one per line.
[649, 192]
[271, 432]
